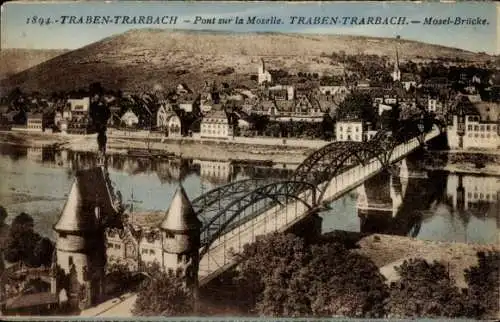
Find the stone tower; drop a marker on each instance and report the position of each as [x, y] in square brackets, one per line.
[181, 238]
[80, 246]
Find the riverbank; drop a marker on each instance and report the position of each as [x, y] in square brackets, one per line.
[182, 147]
[485, 162]
[387, 251]
[481, 162]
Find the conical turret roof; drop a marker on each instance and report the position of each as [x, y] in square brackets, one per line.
[89, 190]
[180, 215]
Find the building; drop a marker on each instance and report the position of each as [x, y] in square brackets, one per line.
[79, 108]
[216, 125]
[282, 92]
[409, 81]
[263, 75]
[35, 122]
[171, 241]
[80, 246]
[474, 125]
[435, 105]
[129, 118]
[332, 90]
[350, 130]
[396, 73]
[168, 120]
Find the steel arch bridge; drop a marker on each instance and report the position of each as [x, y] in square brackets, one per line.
[228, 206]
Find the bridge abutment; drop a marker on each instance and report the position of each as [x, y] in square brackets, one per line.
[309, 228]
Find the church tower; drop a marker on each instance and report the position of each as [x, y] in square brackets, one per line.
[396, 74]
[263, 75]
[181, 238]
[80, 245]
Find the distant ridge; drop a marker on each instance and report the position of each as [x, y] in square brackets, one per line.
[14, 60]
[142, 58]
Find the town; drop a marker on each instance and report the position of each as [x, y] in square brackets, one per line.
[372, 93]
[106, 251]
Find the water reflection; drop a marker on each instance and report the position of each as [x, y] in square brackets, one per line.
[443, 206]
[438, 206]
[37, 179]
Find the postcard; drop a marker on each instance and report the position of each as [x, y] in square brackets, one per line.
[249, 160]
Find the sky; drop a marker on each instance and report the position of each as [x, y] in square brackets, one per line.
[16, 33]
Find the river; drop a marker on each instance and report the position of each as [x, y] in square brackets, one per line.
[438, 206]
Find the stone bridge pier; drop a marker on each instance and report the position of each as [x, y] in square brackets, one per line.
[412, 166]
[379, 199]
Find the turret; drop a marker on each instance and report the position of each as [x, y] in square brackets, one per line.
[80, 246]
[181, 237]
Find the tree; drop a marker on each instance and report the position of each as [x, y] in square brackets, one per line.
[163, 294]
[24, 244]
[425, 290]
[281, 275]
[345, 283]
[357, 105]
[484, 284]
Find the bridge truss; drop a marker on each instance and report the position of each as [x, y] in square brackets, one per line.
[231, 205]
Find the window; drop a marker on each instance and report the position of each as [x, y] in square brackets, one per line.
[476, 127]
[487, 128]
[169, 235]
[151, 252]
[144, 251]
[469, 127]
[482, 128]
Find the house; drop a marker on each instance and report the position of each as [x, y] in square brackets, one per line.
[167, 239]
[474, 125]
[434, 105]
[263, 75]
[130, 119]
[334, 90]
[409, 81]
[162, 115]
[350, 130]
[383, 107]
[216, 125]
[282, 92]
[35, 122]
[168, 120]
[79, 107]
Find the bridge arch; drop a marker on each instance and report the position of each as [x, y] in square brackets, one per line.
[330, 159]
[221, 194]
[276, 193]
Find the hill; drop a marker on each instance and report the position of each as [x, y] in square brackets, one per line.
[143, 58]
[13, 61]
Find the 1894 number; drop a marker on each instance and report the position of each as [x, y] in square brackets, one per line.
[38, 20]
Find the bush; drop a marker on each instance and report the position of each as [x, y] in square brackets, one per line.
[425, 290]
[163, 294]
